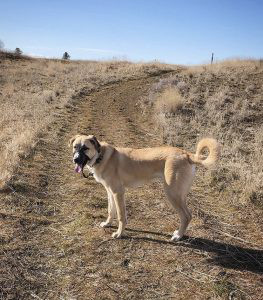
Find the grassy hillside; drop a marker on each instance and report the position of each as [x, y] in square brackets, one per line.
[51, 245]
[35, 91]
[223, 101]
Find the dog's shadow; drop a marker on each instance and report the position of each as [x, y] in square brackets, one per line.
[225, 255]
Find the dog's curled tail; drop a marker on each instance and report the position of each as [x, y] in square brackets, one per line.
[214, 152]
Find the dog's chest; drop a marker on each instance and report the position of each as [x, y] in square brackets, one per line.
[98, 178]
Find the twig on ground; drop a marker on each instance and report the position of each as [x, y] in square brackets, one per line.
[236, 238]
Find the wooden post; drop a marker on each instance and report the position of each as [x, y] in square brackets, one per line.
[212, 58]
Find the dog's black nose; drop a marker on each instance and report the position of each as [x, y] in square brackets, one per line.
[76, 160]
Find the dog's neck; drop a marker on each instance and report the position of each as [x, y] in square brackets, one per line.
[99, 159]
[96, 159]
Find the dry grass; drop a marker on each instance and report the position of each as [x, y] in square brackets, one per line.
[34, 91]
[169, 101]
[225, 101]
[51, 244]
[228, 65]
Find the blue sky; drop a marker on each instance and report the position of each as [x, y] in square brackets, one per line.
[181, 32]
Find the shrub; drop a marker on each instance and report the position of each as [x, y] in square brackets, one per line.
[169, 101]
[66, 56]
[18, 51]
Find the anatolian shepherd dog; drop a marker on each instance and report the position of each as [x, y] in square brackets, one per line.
[118, 168]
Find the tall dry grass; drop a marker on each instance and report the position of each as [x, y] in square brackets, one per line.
[34, 91]
[223, 101]
[169, 101]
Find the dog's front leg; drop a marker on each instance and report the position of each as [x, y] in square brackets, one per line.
[111, 210]
[121, 212]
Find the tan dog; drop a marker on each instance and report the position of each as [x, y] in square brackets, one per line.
[118, 168]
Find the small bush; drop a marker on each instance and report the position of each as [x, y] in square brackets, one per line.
[18, 51]
[169, 101]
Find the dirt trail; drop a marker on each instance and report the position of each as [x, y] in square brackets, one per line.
[55, 248]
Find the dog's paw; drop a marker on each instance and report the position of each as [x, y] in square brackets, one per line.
[116, 235]
[104, 224]
[176, 236]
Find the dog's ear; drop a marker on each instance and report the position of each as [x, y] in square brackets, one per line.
[70, 142]
[95, 142]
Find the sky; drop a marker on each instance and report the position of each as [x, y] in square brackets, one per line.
[171, 31]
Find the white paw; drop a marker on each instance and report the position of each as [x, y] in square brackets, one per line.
[176, 236]
[116, 235]
[104, 224]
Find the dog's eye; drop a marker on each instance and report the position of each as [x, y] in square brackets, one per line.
[85, 148]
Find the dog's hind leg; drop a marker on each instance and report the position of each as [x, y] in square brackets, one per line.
[178, 180]
[111, 210]
[178, 203]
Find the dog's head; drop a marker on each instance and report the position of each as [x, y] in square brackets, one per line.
[86, 150]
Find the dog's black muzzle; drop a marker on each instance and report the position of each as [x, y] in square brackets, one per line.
[80, 158]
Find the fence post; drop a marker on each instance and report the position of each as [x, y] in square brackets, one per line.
[212, 58]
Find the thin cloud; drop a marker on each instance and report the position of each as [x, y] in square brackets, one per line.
[94, 50]
[40, 48]
[90, 50]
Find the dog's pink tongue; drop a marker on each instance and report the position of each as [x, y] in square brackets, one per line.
[78, 169]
